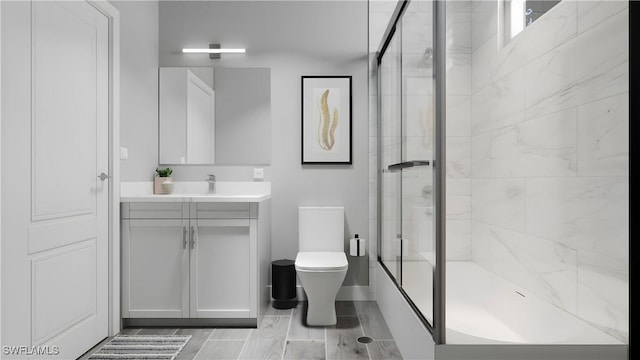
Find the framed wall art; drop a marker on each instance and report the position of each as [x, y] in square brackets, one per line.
[326, 120]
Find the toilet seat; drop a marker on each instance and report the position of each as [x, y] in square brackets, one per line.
[321, 261]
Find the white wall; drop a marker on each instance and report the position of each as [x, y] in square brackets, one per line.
[16, 156]
[550, 178]
[138, 88]
[293, 38]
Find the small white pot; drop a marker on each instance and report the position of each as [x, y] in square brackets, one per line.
[162, 185]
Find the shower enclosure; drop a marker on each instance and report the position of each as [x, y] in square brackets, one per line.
[502, 180]
[409, 179]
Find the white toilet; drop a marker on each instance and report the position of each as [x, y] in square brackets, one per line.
[321, 263]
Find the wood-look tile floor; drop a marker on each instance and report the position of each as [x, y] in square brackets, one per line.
[283, 334]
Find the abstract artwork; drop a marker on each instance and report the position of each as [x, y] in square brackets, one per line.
[326, 120]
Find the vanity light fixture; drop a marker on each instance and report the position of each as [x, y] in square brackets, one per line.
[214, 51]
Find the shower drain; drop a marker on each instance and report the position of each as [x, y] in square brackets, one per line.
[365, 340]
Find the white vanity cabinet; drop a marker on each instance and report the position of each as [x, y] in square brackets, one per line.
[223, 260]
[195, 260]
[155, 268]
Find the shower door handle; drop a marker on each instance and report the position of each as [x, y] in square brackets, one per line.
[407, 164]
[400, 239]
[399, 260]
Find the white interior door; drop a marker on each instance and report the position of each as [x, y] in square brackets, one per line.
[200, 121]
[59, 243]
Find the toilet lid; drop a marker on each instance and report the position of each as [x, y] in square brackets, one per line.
[321, 260]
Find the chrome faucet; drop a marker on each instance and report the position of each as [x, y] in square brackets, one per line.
[211, 179]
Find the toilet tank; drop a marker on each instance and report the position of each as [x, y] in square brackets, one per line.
[321, 228]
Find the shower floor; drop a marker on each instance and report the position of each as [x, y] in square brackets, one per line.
[483, 308]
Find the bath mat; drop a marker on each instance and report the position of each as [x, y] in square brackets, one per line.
[148, 347]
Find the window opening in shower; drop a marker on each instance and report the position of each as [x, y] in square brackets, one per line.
[518, 14]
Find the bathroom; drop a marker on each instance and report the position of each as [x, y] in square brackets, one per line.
[506, 158]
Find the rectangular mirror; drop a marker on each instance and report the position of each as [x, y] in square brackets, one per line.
[214, 115]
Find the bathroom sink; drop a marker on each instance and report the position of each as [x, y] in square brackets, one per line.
[198, 191]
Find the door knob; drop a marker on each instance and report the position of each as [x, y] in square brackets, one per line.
[103, 176]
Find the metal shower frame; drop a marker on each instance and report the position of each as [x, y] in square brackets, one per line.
[438, 328]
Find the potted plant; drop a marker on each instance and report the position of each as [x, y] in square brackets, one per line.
[163, 182]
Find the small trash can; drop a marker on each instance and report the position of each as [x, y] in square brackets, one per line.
[283, 284]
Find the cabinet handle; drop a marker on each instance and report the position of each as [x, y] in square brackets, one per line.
[193, 237]
[184, 237]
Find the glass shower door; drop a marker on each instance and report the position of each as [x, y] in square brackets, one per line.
[418, 258]
[390, 143]
[406, 89]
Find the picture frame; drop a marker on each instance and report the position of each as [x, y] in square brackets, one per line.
[326, 120]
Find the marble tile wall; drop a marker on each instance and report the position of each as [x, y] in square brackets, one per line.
[459, 41]
[549, 160]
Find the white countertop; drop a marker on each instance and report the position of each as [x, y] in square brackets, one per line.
[196, 191]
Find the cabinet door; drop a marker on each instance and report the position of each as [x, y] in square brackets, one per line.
[223, 268]
[155, 266]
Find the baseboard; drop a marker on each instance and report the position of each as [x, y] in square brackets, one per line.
[356, 293]
[346, 293]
